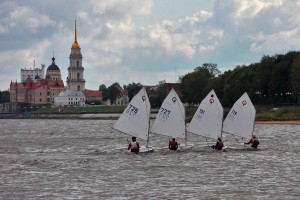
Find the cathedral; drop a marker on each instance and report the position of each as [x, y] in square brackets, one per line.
[39, 92]
[43, 91]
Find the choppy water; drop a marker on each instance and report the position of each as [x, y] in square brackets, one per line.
[81, 159]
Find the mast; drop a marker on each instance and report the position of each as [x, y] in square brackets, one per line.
[149, 114]
[185, 137]
[148, 128]
[185, 128]
[253, 125]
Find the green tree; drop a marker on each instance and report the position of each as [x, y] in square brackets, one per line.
[162, 92]
[212, 69]
[4, 96]
[295, 78]
[132, 89]
[104, 90]
[279, 83]
[195, 85]
[113, 92]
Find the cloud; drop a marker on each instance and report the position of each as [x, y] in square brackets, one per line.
[116, 48]
[27, 19]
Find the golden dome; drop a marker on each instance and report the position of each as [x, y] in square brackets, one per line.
[75, 44]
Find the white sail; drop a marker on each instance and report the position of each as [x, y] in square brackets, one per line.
[170, 119]
[241, 118]
[207, 120]
[135, 118]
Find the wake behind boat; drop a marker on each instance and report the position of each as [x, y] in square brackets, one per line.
[135, 120]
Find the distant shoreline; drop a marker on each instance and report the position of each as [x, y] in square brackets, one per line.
[279, 122]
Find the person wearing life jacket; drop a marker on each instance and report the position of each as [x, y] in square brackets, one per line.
[134, 146]
[219, 144]
[254, 141]
[173, 145]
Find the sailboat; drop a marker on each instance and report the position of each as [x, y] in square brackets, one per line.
[170, 120]
[135, 120]
[240, 120]
[207, 120]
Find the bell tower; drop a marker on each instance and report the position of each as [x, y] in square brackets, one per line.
[75, 79]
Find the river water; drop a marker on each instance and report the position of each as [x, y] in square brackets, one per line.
[85, 159]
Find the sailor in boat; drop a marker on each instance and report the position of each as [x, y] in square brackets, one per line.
[219, 144]
[173, 145]
[134, 146]
[254, 141]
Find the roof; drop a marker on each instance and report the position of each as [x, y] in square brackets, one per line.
[53, 66]
[92, 93]
[71, 93]
[123, 92]
[41, 83]
[75, 44]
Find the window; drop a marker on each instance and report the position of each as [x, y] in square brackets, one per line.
[77, 64]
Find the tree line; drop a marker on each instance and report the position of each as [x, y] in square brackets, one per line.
[272, 81]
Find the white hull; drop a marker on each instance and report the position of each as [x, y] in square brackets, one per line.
[144, 149]
[209, 149]
[242, 148]
[181, 148]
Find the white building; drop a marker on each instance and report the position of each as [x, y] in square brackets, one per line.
[70, 98]
[34, 74]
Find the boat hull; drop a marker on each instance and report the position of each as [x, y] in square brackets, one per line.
[146, 149]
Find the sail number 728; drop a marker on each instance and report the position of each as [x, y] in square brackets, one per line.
[131, 110]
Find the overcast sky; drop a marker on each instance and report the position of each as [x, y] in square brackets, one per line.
[143, 41]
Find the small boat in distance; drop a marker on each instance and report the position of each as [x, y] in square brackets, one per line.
[135, 120]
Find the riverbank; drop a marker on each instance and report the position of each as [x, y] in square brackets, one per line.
[264, 114]
[279, 122]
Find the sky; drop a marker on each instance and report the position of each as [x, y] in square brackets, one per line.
[143, 41]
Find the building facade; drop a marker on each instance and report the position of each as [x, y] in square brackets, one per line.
[40, 91]
[37, 93]
[34, 74]
[93, 96]
[70, 98]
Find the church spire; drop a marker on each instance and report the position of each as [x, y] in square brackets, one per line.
[75, 44]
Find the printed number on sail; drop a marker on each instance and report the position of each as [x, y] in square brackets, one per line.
[200, 114]
[132, 110]
[232, 114]
[164, 113]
